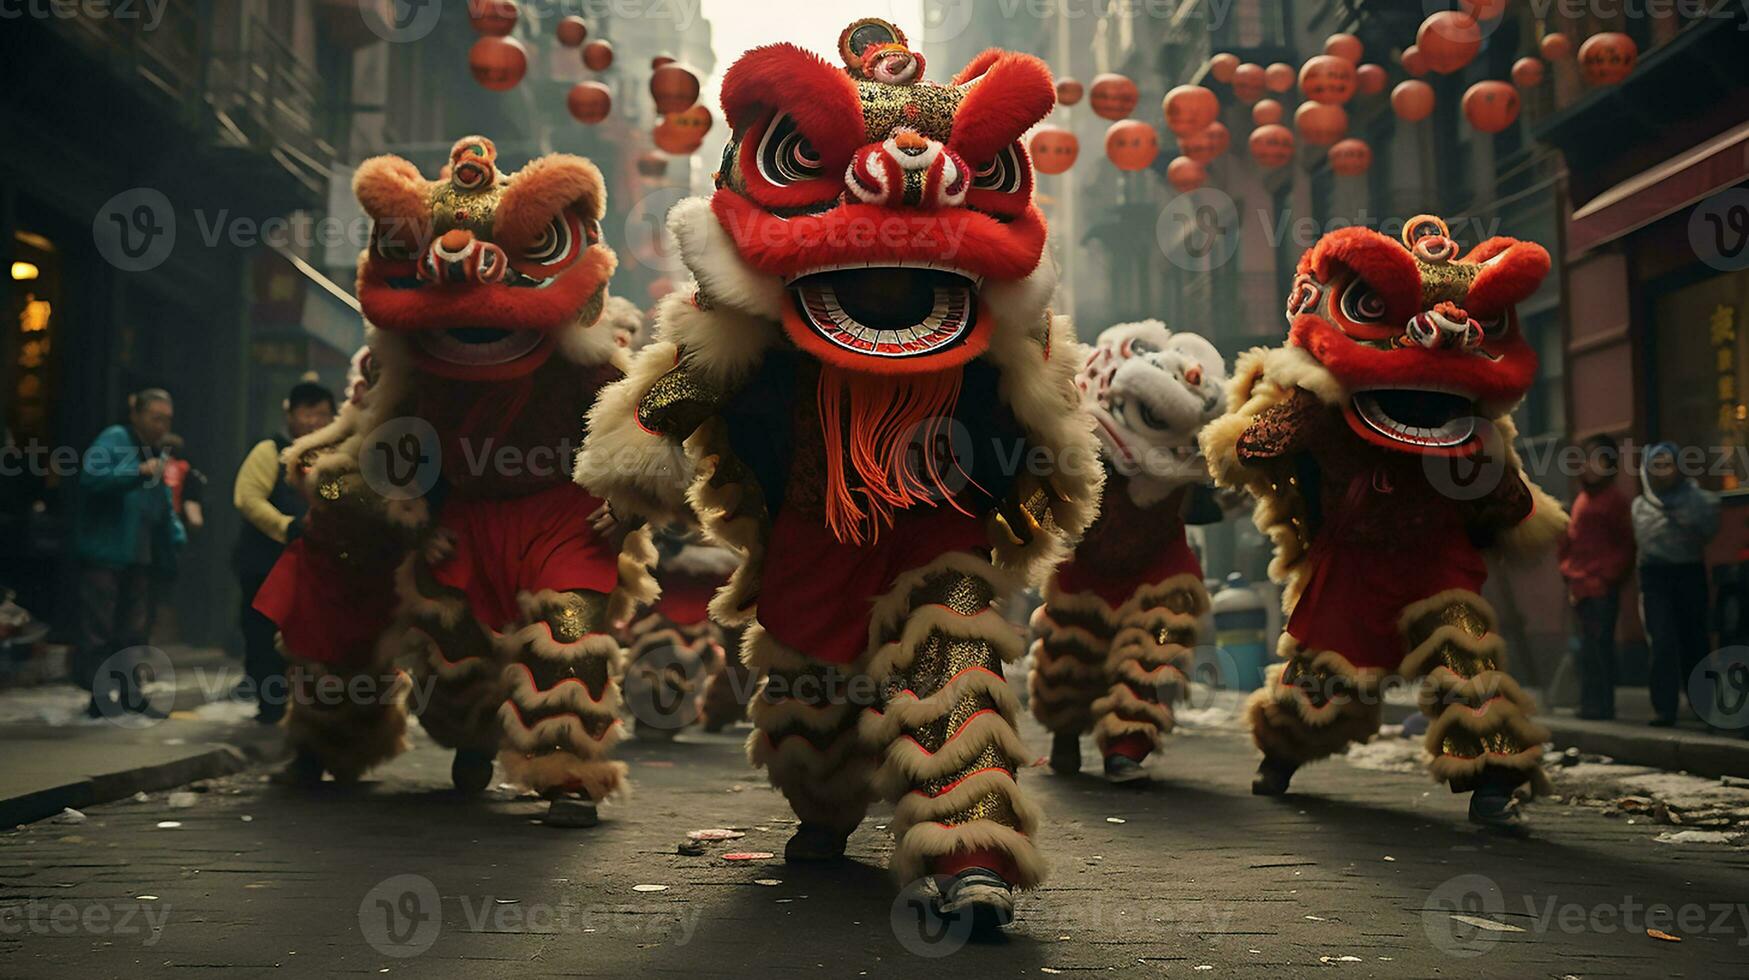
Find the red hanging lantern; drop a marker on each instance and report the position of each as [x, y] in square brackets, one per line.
[1113, 96]
[1556, 47]
[493, 18]
[1272, 145]
[1131, 144]
[1328, 78]
[598, 55]
[1320, 124]
[1491, 106]
[1222, 66]
[1205, 146]
[589, 102]
[674, 88]
[1069, 91]
[1412, 100]
[1280, 77]
[693, 123]
[572, 31]
[660, 60]
[1189, 109]
[1249, 82]
[1054, 149]
[1344, 46]
[1527, 72]
[652, 165]
[661, 286]
[1449, 40]
[1414, 62]
[1483, 9]
[1606, 59]
[671, 137]
[1351, 157]
[1370, 79]
[1185, 175]
[498, 63]
[1266, 113]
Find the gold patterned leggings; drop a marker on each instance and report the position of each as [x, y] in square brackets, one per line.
[925, 718]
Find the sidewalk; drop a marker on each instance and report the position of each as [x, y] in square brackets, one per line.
[1689, 747]
[58, 759]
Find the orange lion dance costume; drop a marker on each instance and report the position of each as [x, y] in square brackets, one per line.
[874, 407]
[1379, 447]
[444, 526]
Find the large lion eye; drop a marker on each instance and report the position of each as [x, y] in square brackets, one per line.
[785, 155]
[1362, 304]
[554, 242]
[1002, 174]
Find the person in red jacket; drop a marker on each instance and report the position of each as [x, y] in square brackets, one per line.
[1596, 556]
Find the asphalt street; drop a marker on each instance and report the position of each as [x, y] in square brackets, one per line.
[1363, 871]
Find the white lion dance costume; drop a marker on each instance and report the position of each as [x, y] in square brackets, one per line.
[1115, 636]
[883, 426]
[444, 530]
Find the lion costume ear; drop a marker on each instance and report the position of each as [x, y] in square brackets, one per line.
[1006, 94]
[820, 98]
[541, 190]
[397, 198]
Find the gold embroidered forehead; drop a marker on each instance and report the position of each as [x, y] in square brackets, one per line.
[928, 108]
[1445, 282]
[452, 207]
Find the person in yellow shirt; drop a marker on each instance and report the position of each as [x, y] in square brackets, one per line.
[272, 515]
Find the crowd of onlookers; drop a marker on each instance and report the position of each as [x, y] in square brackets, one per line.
[1662, 533]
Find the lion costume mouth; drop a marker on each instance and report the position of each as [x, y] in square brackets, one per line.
[1427, 419]
[912, 317]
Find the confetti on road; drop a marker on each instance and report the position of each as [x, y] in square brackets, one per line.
[649, 888]
[169, 824]
[748, 856]
[1663, 936]
[1115, 820]
[715, 833]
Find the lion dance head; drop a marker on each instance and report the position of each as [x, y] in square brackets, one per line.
[484, 272]
[1151, 390]
[1424, 343]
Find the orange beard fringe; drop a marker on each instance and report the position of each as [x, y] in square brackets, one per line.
[888, 415]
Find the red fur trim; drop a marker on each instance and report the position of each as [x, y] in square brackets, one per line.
[436, 307]
[1518, 272]
[886, 417]
[392, 190]
[859, 232]
[822, 99]
[1497, 383]
[539, 191]
[979, 65]
[1014, 93]
[1385, 265]
[802, 193]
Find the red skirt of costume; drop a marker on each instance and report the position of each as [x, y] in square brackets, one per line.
[503, 547]
[1356, 592]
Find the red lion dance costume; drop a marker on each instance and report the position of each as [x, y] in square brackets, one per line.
[1116, 632]
[877, 413]
[1379, 446]
[477, 559]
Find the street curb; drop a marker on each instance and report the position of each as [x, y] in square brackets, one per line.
[1697, 753]
[220, 760]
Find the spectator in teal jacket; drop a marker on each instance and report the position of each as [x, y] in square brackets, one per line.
[127, 532]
